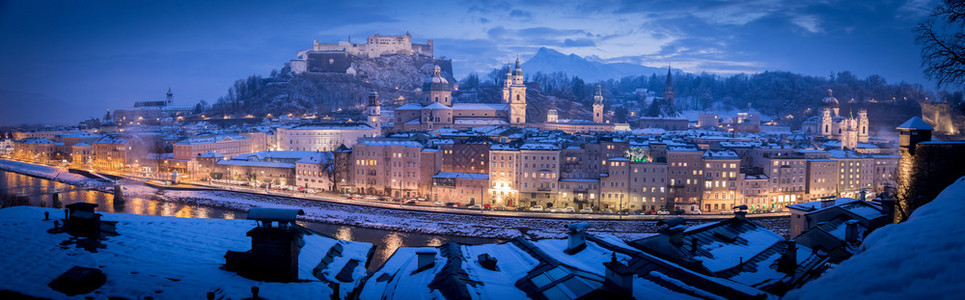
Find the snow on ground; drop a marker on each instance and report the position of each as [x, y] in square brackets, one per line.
[918, 259]
[52, 173]
[404, 220]
[159, 257]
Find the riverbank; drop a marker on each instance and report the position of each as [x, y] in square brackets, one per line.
[62, 175]
[397, 218]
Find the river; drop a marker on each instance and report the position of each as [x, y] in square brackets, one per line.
[386, 242]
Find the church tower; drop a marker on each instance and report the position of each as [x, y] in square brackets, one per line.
[507, 83]
[668, 92]
[863, 125]
[598, 105]
[374, 112]
[517, 97]
[438, 89]
[170, 99]
[826, 121]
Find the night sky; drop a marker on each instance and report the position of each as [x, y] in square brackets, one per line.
[64, 61]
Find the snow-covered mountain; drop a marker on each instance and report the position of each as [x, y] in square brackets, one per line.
[548, 61]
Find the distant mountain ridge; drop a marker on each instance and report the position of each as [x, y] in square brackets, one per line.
[549, 61]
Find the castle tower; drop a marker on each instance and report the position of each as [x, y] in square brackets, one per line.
[863, 125]
[374, 112]
[170, 99]
[517, 97]
[598, 105]
[438, 89]
[911, 178]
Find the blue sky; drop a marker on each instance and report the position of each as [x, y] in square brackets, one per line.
[64, 61]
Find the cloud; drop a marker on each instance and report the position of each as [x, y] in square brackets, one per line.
[520, 15]
[809, 23]
[578, 43]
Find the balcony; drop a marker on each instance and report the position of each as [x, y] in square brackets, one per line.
[543, 189]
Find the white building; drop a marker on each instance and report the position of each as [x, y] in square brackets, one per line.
[322, 137]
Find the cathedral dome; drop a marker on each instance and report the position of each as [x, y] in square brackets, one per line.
[830, 101]
[437, 82]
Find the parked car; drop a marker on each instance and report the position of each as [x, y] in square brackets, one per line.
[371, 198]
[397, 200]
[500, 208]
[439, 203]
[452, 204]
[410, 202]
[727, 212]
[536, 208]
[586, 211]
[607, 211]
[555, 210]
[663, 212]
[569, 209]
[487, 206]
[477, 206]
[693, 212]
[346, 195]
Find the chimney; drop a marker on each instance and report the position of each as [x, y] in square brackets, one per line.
[618, 276]
[740, 212]
[426, 259]
[863, 195]
[788, 262]
[851, 231]
[673, 229]
[827, 202]
[488, 262]
[888, 207]
[576, 237]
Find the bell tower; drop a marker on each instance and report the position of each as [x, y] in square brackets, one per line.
[374, 112]
[517, 97]
[598, 105]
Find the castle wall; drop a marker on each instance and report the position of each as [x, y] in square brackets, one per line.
[924, 174]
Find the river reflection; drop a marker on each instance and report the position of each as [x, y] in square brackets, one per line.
[385, 241]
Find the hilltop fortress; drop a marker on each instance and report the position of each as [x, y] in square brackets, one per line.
[335, 57]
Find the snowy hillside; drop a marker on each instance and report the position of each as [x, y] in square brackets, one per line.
[548, 61]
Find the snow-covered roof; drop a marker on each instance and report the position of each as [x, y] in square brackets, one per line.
[193, 252]
[279, 155]
[249, 163]
[37, 141]
[720, 154]
[815, 205]
[410, 106]
[436, 105]
[538, 146]
[915, 123]
[916, 259]
[480, 106]
[388, 143]
[211, 139]
[462, 175]
[479, 121]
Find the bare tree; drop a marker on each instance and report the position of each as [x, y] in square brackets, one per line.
[942, 38]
